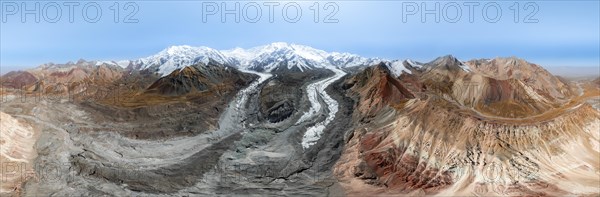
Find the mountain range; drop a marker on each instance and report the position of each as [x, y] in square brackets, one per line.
[287, 119]
[268, 58]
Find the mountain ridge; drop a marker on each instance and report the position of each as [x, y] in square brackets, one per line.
[273, 57]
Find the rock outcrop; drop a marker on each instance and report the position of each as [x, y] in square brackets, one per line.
[17, 153]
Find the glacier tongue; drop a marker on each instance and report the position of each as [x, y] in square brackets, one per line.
[243, 94]
[314, 90]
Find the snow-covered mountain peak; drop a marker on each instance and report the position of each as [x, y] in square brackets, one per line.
[279, 48]
[122, 63]
[176, 57]
[301, 55]
[268, 58]
[276, 46]
[185, 50]
[172, 50]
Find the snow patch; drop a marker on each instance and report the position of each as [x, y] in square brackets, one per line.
[413, 64]
[465, 67]
[397, 67]
[123, 63]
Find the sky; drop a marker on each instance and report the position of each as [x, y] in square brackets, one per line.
[550, 33]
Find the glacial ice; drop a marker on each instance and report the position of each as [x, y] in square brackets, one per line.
[313, 133]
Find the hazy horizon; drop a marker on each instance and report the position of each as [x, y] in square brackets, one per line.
[547, 65]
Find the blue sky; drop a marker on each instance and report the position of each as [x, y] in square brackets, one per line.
[567, 33]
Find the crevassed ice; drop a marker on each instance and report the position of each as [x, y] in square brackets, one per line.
[313, 134]
[244, 93]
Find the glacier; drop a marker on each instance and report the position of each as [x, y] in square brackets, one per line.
[313, 133]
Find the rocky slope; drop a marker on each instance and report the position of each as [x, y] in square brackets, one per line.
[532, 75]
[17, 139]
[18, 79]
[376, 88]
[63, 79]
[198, 78]
[529, 91]
[438, 144]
